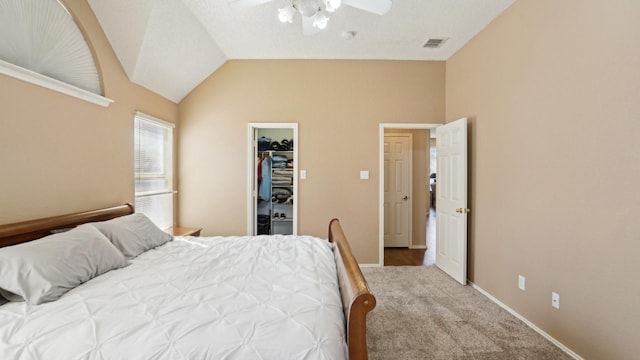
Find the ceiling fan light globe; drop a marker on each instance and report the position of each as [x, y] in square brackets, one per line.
[308, 8]
[320, 20]
[329, 5]
[285, 14]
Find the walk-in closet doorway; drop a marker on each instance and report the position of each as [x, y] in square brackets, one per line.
[272, 190]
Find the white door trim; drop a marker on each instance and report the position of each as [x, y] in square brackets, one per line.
[251, 209]
[383, 126]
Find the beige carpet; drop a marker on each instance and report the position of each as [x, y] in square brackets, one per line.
[424, 314]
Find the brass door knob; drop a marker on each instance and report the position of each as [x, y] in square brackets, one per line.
[462, 211]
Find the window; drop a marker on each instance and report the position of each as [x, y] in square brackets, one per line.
[42, 44]
[153, 144]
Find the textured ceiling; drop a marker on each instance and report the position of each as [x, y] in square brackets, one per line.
[171, 46]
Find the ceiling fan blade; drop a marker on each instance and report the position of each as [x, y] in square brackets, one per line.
[241, 4]
[307, 26]
[379, 7]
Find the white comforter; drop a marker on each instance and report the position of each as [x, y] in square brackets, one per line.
[193, 298]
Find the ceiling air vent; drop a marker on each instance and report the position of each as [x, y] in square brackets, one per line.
[434, 43]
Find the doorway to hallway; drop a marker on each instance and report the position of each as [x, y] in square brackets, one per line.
[452, 211]
[420, 249]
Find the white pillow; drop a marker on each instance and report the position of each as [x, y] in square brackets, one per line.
[43, 270]
[133, 234]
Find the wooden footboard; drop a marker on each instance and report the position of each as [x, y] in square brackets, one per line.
[357, 299]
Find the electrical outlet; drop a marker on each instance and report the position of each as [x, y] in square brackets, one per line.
[521, 281]
[555, 300]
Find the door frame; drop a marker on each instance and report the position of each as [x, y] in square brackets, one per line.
[410, 202]
[383, 126]
[251, 171]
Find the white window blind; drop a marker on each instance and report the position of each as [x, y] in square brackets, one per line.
[41, 35]
[153, 144]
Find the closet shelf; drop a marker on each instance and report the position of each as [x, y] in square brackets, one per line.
[275, 151]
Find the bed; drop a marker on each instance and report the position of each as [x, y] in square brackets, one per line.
[188, 298]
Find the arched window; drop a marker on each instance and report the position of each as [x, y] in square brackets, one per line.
[41, 37]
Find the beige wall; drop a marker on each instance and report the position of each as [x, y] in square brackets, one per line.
[552, 89]
[60, 154]
[420, 181]
[338, 105]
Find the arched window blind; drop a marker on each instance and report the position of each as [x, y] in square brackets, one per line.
[41, 35]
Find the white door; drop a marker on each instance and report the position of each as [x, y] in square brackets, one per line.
[397, 190]
[451, 199]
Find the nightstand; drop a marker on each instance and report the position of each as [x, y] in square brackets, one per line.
[183, 231]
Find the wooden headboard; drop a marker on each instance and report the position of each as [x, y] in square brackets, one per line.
[16, 233]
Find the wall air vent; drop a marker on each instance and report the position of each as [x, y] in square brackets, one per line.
[434, 43]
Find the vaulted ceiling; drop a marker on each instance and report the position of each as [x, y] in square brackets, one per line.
[171, 46]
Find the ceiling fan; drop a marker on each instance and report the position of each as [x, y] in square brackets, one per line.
[315, 13]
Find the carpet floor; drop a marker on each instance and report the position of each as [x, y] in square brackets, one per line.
[421, 313]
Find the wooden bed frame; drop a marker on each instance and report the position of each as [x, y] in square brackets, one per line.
[357, 299]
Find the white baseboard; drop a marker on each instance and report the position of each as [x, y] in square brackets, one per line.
[417, 246]
[369, 265]
[529, 323]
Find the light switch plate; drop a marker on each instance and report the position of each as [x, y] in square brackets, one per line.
[303, 174]
[555, 300]
[364, 174]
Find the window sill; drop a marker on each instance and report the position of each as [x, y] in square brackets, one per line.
[33, 77]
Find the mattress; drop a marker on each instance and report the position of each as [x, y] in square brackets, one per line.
[263, 297]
